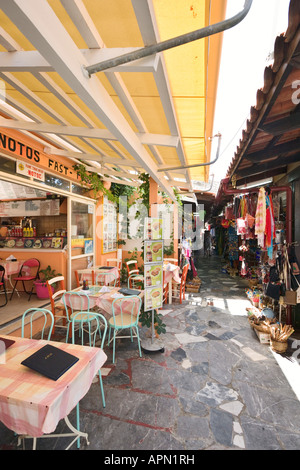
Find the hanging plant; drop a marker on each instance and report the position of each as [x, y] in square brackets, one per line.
[93, 181]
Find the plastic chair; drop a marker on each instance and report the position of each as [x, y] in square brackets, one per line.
[133, 274]
[32, 265]
[123, 320]
[84, 276]
[2, 283]
[88, 317]
[116, 262]
[102, 279]
[32, 312]
[74, 303]
[181, 285]
[57, 307]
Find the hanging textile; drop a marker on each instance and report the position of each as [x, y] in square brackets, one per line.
[270, 225]
[233, 244]
[260, 218]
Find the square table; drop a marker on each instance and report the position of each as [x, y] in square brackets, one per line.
[30, 403]
[13, 267]
[103, 300]
[111, 273]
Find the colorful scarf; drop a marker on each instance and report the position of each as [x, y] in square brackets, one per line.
[270, 225]
[260, 218]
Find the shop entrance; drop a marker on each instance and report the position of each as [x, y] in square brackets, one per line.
[81, 247]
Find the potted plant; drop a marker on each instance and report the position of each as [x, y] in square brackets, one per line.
[40, 284]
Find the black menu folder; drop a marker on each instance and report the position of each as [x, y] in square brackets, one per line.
[126, 291]
[50, 361]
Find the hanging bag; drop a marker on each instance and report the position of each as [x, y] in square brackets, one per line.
[292, 297]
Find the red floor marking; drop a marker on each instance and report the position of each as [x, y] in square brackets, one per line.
[129, 421]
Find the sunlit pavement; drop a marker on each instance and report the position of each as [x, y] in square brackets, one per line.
[214, 386]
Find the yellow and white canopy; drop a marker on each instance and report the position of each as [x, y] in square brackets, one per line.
[143, 116]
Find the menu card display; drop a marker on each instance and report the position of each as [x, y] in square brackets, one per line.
[153, 298]
[153, 229]
[109, 226]
[153, 263]
[30, 208]
[153, 275]
[153, 252]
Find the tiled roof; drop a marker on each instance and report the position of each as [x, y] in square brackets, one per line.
[271, 138]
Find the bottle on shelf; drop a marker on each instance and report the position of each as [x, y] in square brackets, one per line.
[148, 279]
[149, 230]
[149, 254]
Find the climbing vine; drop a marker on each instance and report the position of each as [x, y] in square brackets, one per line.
[92, 180]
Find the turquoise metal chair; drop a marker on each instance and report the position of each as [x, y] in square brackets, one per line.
[125, 317]
[102, 279]
[35, 313]
[75, 302]
[93, 319]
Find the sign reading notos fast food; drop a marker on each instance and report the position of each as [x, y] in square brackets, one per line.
[12, 146]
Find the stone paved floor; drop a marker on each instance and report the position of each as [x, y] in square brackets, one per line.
[215, 387]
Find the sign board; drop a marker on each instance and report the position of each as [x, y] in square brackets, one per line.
[153, 263]
[24, 168]
[30, 207]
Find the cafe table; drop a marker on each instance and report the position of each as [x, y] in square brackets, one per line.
[102, 297]
[105, 301]
[171, 272]
[111, 273]
[12, 267]
[31, 404]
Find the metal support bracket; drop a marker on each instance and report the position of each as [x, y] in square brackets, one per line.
[194, 165]
[170, 43]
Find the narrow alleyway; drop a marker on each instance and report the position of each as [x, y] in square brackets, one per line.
[215, 387]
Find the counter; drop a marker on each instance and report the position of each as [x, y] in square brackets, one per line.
[56, 258]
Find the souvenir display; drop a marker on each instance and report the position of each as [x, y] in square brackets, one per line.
[251, 237]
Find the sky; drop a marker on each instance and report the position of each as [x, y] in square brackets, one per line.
[245, 54]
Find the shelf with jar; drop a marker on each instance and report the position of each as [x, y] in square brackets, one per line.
[33, 242]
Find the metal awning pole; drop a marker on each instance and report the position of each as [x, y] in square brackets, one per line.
[170, 43]
[194, 165]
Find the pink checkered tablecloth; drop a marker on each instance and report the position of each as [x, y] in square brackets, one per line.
[108, 275]
[12, 267]
[171, 272]
[82, 303]
[33, 404]
[105, 302]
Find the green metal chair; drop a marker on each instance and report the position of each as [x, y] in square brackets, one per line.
[124, 317]
[89, 317]
[34, 313]
[75, 302]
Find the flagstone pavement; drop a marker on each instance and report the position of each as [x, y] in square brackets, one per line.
[214, 386]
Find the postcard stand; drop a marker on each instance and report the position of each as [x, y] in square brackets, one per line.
[153, 276]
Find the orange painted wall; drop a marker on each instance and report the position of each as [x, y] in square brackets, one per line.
[57, 260]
